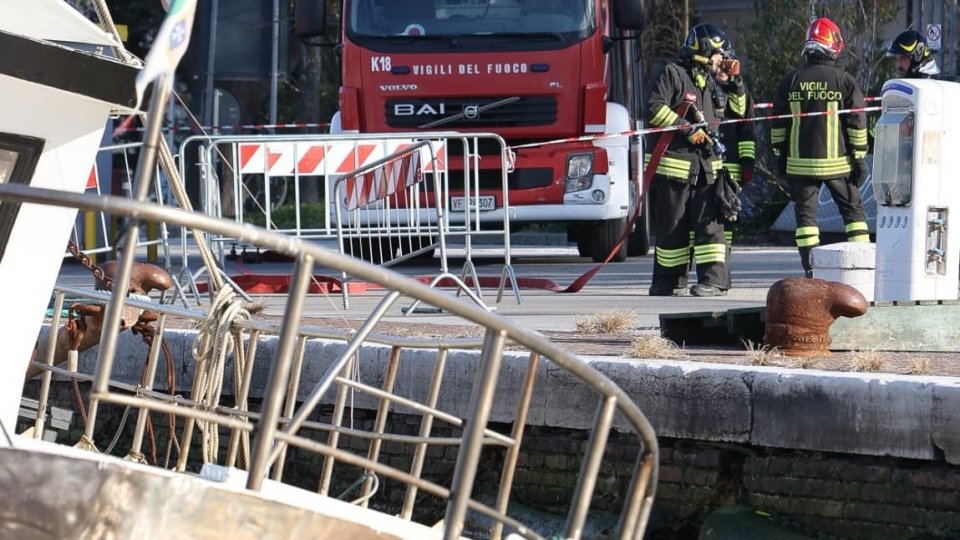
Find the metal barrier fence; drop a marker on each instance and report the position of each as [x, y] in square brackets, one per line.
[93, 230]
[288, 184]
[281, 423]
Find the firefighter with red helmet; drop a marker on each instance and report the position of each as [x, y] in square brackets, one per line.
[687, 94]
[815, 145]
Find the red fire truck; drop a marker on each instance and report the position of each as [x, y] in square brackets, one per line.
[528, 70]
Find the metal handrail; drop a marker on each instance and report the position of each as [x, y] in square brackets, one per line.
[612, 399]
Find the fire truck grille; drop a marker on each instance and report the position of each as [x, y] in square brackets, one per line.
[518, 179]
[526, 111]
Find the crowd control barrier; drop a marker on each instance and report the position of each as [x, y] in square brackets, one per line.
[94, 232]
[386, 212]
[289, 183]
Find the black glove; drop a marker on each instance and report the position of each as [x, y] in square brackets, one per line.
[728, 196]
[859, 173]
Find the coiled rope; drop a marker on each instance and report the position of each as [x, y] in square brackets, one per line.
[217, 338]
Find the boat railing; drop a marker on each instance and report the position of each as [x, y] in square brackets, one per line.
[287, 416]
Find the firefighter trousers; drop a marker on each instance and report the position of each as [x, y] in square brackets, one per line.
[728, 240]
[681, 208]
[806, 195]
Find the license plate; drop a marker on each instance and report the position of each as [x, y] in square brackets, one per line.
[486, 202]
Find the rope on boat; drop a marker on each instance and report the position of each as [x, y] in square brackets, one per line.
[215, 340]
[86, 444]
[180, 193]
[165, 157]
[106, 21]
[116, 436]
[359, 482]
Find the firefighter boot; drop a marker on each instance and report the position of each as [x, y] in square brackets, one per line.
[662, 288]
[707, 290]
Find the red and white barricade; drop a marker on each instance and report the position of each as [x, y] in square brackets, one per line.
[92, 232]
[383, 198]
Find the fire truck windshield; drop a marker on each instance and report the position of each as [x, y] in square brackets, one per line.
[469, 18]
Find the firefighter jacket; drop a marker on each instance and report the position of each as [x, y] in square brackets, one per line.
[740, 141]
[679, 83]
[823, 146]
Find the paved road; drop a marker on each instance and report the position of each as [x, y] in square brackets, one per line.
[621, 286]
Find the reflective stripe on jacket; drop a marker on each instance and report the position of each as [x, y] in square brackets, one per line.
[822, 146]
[740, 140]
[676, 84]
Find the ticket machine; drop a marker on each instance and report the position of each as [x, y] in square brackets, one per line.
[916, 182]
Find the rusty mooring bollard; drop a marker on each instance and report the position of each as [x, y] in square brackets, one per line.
[801, 310]
[144, 277]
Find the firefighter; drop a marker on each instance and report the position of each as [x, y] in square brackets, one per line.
[914, 58]
[685, 93]
[740, 144]
[825, 148]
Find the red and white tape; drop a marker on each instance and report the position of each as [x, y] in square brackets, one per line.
[648, 131]
[125, 127]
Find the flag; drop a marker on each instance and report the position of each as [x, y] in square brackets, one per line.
[168, 47]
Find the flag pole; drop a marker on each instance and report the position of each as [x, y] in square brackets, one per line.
[126, 247]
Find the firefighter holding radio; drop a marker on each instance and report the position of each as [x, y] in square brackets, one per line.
[686, 94]
[814, 145]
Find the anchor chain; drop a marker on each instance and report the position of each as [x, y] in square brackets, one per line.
[98, 272]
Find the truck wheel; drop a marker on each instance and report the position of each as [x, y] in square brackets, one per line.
[604, 237]
[639, 240]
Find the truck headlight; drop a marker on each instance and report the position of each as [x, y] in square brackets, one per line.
[579, 172]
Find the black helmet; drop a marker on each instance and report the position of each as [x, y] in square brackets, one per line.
[705, 40]
[912, 45]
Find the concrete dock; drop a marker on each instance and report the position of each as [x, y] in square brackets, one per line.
[772, 431]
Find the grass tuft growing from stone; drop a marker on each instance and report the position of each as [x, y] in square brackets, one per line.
[655, 347]
[611, 322]
[919, 366]
[761, 355]
[868, 361]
